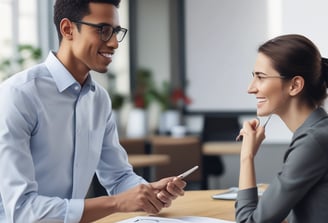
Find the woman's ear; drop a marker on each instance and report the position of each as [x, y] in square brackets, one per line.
[296, 85]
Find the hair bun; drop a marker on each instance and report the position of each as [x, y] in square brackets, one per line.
[324, 69]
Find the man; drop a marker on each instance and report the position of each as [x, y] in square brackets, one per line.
[57, 129]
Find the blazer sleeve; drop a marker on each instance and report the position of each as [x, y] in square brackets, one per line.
[304, 165]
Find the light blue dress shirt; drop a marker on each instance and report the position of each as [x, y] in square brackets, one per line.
[54, 135]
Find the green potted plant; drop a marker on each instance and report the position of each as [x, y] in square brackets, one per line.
[170, 98]
[117, 98]
[141, 97]
[171, 102]
[143, 92]
[27, 55]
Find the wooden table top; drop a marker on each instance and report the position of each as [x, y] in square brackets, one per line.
[148, 160]
[221, 148]
[193, 203]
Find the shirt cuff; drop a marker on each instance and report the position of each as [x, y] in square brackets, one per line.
[75, 209]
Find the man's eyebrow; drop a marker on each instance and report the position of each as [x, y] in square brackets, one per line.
[107, 24]
[104, 24]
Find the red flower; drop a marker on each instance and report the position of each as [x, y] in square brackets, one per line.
[139, 101]
[179, 98]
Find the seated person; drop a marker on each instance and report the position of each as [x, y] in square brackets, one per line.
[290, 81]
[57, 130]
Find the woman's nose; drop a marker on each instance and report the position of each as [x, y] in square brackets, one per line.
[252, 89]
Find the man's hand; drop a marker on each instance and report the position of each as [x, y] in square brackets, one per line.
[168, 189]
[140, 198]
[151, 197]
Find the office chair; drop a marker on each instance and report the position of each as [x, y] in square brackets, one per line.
[134, 145]
[216, 128]
[184, 153]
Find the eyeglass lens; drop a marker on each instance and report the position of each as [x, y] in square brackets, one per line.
[108, 31]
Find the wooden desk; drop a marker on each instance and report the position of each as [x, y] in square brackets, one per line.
[221, 148]
[193, 203]
[170, 140]
[148, 160]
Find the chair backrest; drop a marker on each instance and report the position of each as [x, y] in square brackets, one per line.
[220, 128]
[184, 153]
[217, 128]
[134, 145]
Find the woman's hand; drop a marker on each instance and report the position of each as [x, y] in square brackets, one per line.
[253, 135]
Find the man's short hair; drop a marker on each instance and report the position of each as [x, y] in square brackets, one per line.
[75, 10]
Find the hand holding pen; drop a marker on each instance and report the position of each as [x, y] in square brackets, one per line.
[240, 136]
[252, 135]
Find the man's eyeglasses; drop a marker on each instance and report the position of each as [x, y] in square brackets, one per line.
[106, 31]
[261, 75]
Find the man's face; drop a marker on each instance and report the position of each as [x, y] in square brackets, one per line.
[90, 52]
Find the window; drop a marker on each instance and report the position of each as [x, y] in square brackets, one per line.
[25, 23]
[20, 28]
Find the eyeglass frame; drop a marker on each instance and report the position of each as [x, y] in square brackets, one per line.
[257, 74]
[101, 26]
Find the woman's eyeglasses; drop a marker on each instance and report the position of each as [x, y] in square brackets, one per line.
[261, 75]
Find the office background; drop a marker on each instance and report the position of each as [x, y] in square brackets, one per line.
[211, 43]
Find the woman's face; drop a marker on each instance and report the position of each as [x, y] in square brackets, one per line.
[268, 87]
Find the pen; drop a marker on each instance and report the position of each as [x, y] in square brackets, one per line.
[266, 122]
[240, 137]
[188, 172]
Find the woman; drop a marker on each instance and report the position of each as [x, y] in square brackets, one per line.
[289, 80]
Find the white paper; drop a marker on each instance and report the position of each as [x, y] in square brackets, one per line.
[231, 194]
[185, 219]
[225, 196]
[203, 220]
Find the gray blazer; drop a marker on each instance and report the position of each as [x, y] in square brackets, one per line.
[300, 189]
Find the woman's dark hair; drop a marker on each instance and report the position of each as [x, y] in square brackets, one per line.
[295, 55]
[75, 10]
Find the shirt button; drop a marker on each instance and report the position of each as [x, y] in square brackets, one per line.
[76, 88]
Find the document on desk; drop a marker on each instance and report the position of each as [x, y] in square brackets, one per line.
[185, 219]
[231, 194]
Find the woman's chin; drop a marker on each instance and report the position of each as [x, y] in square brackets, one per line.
[262, 113]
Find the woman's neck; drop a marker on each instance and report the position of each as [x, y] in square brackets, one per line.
[296, 116]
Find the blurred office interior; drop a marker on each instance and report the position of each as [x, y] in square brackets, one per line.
[205, 49]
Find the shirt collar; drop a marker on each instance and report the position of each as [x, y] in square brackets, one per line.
[89, 82]
[62, 77]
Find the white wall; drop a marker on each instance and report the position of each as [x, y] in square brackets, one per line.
[153, 46]
[221, 41]
[222, 37]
